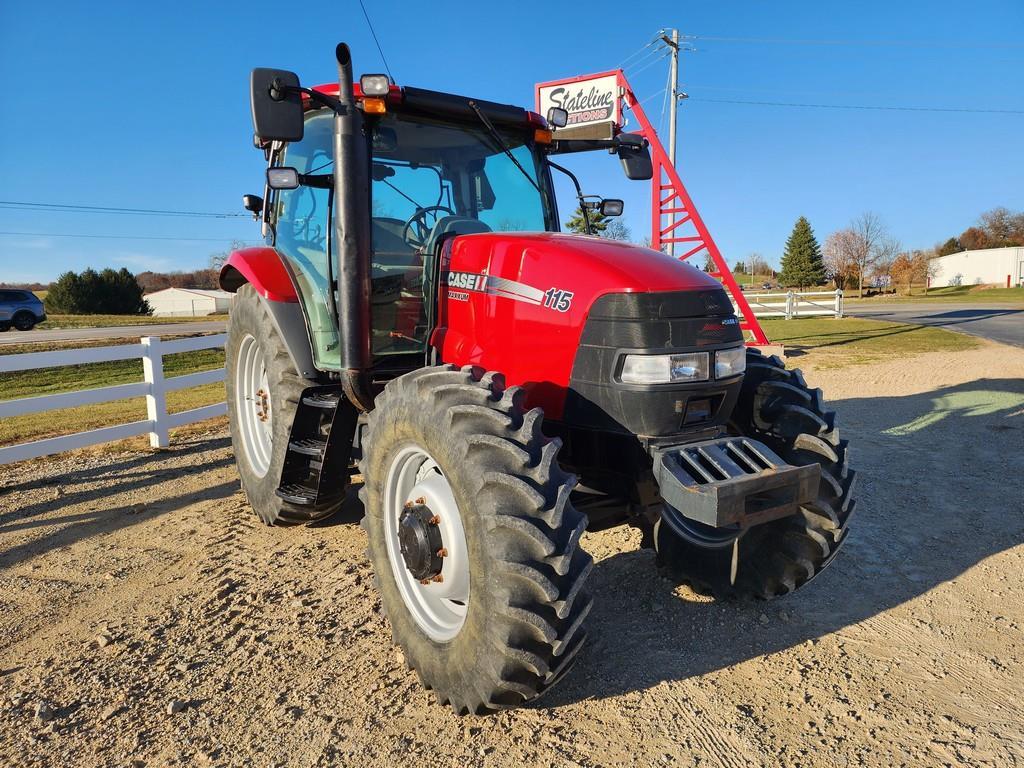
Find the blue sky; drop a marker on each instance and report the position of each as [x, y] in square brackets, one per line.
[146, 105]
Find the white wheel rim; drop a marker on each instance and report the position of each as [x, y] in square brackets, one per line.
[255, 414]
[439, 608]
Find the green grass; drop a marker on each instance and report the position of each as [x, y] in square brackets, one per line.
[47, 381]
[831, 343]
[106, 321]
[964, 293]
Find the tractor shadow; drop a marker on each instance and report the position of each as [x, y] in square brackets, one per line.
[939, 490]
[116, 495]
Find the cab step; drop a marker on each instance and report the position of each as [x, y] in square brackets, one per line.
[317, 464]
[326, 400]
[309, 446]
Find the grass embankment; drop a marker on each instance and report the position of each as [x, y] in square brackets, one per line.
[47, 381]
[972, 294]
[831, 343]
[108, 321]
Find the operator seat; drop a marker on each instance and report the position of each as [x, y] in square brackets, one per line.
[458, 225]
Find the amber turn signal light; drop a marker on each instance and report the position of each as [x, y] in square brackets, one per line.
[374, 106]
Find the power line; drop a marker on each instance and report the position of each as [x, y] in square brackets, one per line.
[646, 57]
[117, 237]
[113, 210]
[379, 49]
[638, 51]
[870, 43]
[664, 55]
[863, 106]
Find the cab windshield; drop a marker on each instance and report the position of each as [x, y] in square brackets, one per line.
[429, 179]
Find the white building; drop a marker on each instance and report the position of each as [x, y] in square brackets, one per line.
[191, 302]
[992, 266]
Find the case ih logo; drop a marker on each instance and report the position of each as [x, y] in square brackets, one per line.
[553, 298]
[467, 280]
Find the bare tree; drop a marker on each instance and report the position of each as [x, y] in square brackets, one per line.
[758, 264]
[885, 254]
[872, 239]
[840, 255]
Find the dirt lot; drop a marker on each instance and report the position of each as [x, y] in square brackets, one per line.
[134, 585]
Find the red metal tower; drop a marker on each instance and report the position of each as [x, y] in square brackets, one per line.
[669, 199]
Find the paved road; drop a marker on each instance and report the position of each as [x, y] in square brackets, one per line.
[116, 332]
[998, 323]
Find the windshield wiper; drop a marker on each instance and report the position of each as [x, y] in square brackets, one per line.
[501, 143]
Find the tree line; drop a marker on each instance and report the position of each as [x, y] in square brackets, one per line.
[997, 228]
[865, 253]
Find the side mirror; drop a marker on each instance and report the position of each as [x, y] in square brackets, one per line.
[282, 178]
[276, 108]
[611, 207]
[253, 204]
[557, 117]
[635, 157]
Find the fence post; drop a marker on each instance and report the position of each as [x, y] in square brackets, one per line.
[156, 400]
[790, 304]
[839, 303]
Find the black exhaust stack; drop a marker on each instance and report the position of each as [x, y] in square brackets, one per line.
[352, 237]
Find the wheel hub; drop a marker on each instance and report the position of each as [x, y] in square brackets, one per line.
[419, 539]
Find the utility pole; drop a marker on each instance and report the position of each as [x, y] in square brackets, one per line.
[672, 41]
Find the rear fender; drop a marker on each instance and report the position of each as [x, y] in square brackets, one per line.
[263, 268]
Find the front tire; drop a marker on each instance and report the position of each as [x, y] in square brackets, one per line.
[776, 407]
[24, 321]
[497, 620]
[263, 392]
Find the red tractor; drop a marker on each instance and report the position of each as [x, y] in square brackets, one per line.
[416, 318]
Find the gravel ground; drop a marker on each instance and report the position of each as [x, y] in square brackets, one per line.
[147, 619]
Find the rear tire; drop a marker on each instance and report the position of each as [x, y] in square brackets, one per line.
[24, 321]
[776, 407]
[263, 391]
[524, 601]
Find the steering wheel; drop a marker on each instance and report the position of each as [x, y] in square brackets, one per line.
[417, 230]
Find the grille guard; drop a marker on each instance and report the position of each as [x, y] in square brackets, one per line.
[732, 481]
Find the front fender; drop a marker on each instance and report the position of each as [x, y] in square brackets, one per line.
[262, 267]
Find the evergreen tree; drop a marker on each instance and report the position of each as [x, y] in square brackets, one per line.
[598, 222]
[802, 264]
[97, 293]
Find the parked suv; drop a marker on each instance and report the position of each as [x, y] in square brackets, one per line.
[22, 309]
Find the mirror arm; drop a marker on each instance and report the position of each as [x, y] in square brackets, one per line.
[322, 99]
[579, 193]
[566, 146]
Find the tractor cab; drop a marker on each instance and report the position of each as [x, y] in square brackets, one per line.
[432, 175]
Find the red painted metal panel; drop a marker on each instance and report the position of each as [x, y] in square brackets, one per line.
[261, 266]
[501, 322]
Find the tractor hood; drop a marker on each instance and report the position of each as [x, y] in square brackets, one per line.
[583, 264]
[518, 302]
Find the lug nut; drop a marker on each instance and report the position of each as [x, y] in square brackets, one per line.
[421, 500]
[407, 505]
[442, 552]
[439, 578]
[435, 520]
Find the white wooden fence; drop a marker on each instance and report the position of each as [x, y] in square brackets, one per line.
[794, 304]
[154, 387]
